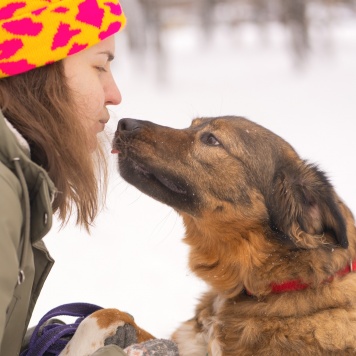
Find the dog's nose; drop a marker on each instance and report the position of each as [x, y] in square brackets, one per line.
[128, 125]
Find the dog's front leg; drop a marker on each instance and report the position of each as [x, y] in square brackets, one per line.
[194, 342]
[190, 341]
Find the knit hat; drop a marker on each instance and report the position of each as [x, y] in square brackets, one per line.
[34, 33]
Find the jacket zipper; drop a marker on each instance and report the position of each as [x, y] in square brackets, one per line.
[25, 239]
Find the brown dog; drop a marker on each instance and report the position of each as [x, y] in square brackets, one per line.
[266, 230]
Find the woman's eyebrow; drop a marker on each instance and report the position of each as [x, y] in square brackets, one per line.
[109, 54]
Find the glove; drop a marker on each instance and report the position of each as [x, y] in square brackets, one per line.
[157, 347]
[128, 338]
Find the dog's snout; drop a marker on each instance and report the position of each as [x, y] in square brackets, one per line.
[128, 125]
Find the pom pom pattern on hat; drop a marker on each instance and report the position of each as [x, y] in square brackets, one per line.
[34, 33]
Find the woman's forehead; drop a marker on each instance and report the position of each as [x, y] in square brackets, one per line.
[107, 45]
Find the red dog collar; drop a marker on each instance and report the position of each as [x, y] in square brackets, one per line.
[296, 284]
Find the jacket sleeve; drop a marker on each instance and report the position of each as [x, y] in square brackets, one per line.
[10, 233]
[110, 350]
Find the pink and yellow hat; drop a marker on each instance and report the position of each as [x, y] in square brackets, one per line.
[34, 33]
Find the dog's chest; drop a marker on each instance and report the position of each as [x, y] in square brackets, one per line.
[211, 325]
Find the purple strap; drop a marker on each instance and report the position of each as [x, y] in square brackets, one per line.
[52, 339]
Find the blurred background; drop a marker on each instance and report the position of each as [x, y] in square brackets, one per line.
[289, 65]
[306, 24]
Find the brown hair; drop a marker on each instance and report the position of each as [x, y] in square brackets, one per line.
[39, 105]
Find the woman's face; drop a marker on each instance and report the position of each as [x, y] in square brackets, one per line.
[91, 81]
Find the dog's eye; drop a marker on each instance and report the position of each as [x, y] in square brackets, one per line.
[210, 139]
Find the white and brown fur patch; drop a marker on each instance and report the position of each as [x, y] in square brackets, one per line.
[96, 328]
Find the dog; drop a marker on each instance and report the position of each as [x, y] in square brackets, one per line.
[266, 230]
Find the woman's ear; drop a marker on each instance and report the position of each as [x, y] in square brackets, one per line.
[303, 206]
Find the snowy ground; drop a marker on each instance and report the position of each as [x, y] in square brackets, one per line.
[135, 260]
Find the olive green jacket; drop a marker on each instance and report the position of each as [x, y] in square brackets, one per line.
[26, 193]
[25, 217]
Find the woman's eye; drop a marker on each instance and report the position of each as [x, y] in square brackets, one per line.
[210, 139]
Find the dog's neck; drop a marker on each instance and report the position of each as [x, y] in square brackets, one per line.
[297, 285]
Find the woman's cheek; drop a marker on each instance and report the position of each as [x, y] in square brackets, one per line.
[90, 110]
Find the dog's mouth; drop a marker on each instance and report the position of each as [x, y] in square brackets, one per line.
[158, 183]
[165, 181]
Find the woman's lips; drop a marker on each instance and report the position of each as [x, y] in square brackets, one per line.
[102, 124]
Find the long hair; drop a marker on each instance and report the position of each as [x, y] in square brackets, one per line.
[39, 105]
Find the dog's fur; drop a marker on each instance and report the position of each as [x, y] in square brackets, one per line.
[256, 215]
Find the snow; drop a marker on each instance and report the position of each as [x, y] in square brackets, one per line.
[134, 259]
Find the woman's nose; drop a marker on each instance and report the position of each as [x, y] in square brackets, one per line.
[113, 94]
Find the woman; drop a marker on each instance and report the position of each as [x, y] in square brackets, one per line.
[55, 86]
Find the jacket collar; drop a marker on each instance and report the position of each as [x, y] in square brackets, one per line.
[21, 140]
[15, 154]
[12, 144]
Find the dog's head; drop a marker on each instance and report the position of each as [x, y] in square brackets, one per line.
[233, 169]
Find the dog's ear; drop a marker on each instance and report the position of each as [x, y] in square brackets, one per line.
[303, 207]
